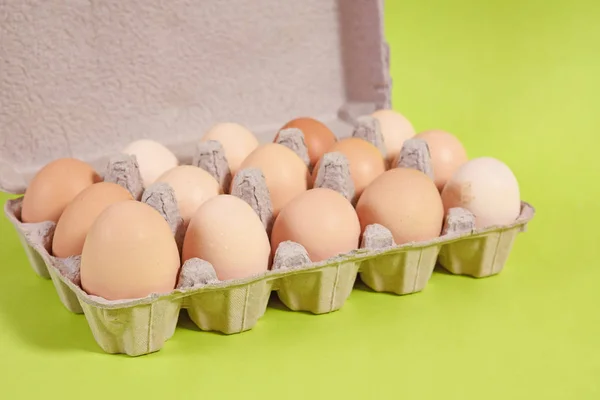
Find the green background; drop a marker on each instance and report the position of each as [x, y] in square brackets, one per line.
[517, 80]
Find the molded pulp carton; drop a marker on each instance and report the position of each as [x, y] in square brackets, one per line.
[85, 79]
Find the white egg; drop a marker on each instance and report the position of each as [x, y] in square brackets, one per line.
[395, 128]
[486, 187]
[153, 159]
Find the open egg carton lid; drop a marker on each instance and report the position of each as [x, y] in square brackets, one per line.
[85, 79]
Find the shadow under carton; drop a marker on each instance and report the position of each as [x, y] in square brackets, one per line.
[142, 326]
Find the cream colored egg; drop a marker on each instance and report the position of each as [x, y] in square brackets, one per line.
[395, 129]
[237, 142]
[487, 188]
[192, 187]
[153, 159]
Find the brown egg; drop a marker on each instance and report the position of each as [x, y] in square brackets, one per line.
[366, 162]
[285, 173]
[317, 136]
[226, 232]
[129, 253]
[447, 154]
[80, 214]
[322, 221]
[54, 186]
[395, 129]
[406, 202]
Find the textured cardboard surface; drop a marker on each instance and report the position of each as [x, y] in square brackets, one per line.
[116, 71]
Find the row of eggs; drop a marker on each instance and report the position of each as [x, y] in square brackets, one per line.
[128, 249]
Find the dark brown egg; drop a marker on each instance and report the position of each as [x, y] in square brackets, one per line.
[317, 136]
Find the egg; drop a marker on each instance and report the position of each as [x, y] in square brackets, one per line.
[77, 218]
[192, 187]
[447, 154]
[237, 142]
[487, 188]
[405, 201]
[286, 175]
[153, 159]
[321, 220]
[317, 136]
[226, 232]
[366, 162]
[395, 129]
[54, 187]
[129, 253]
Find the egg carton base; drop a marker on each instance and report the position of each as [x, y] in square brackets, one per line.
[67, 297]
[319, 293]
[35, 260]
[133, 331]
[401, 274]
[480, 256]
[143, 326]
[231, 311]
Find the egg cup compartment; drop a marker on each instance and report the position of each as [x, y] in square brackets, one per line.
[229, 309]
[134, 330]
[396, 269]
[479, 252]
[35, 260]
[30, 235]
[36, 239]
[401, 271]
[66, 295]
[479, 255]
[319, 291]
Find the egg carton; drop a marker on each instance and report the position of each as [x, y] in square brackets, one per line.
[330, 61]
[137, 327]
